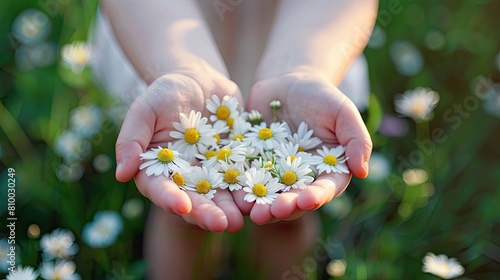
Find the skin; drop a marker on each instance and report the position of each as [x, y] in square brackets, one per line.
[299, 68]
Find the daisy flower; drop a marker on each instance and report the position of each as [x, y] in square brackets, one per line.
[224, 111]
[417, 104]
[162, 161]
[232, 153]
[103, 230]
[264, 138]
[179, 177]
[76, 56]
[261, 186]
[205, 154]
[442, 266]
[255, 117]
[303, 137]
[275, 104]
[233, 175]
[86, 120]
[60, 244]
[331, 160]
[293, 174]
[64, 270]
[220, 128]
[203, 181]
[26, 273]
[240, 128]
[192, 132]
[291, 150]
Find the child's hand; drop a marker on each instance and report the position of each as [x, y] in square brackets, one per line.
[148, 124]
[334, 119]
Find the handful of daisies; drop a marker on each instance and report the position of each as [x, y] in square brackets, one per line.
[262, 160]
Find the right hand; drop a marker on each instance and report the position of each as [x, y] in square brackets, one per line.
[148, 124]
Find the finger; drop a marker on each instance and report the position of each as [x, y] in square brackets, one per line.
[135, 135]
[323, 190]
[239, 198]
[352, 133]
[261, 214]
[205, 214]
[164, 193]
[285, 205]
[224, 201]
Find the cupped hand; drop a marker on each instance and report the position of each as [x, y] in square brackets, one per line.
[334, 119]
[148, 124]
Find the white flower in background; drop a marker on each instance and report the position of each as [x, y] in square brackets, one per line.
[379, 168]
[303, 137]
[61, 270]
[162, 161]
[192, 132]
[417, 104]
[232, 153]
[377, 38]
[263, 138]
[31, 26]
[261, 186]
[220, 128]
[69, 172]
[132, 208]
[102, 163]
[86, 120]
[71, 146]
[434, 40]
[203, 181]
[416, 176]
[442, 266]
[291, 150]
[23, 273]
[4, 251]
[331, 160]
[179, 176]
[233, 175]
[275, 104]
[103, 230]
[255, 117]
[406, 57]
[240, 128]
[293, 174]
[224, 111]
[336, 268]
[76, 56]
[60, 244]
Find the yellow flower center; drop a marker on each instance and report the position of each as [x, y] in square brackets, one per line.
[217, 138]
[288, 178]
[238, 137]
[330, 160]
[178, 179]
[210, 154]
[191, 136]
[203, 187]
[230, 122]
[259, 190]
[222, 113]
[223, 154]
[301, 149]
[418, 108]
[292, 158]
[265, 133]
[269, 164]
[165, 155]
[231, 176]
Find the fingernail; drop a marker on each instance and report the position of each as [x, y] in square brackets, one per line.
[119, 167]
[365, 165]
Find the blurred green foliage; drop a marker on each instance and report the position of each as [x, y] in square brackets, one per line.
[382, 229]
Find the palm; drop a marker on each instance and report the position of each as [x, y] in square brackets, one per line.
[147, 125]
[334, 120]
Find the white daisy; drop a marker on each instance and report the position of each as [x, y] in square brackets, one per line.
[293, 174]
[261, 186]
[267, 164]
[220, 128]
[417, 104]
[31, 26]
[203, 181]
[205, 154]
[162, 161]
[275, 104]
[60, 244]
[76, 56]
[225, 111]
[232, 153]
[233, 175]
[331, 160]
[26, 273]
[103, 230]
[442, 266]
[86, 120]
[63, 270]
[264, 138]
[291, 150]
[255, 117]
[179, 177]
[72, 146]
[240, 128]
[192, 132]
[303, 137]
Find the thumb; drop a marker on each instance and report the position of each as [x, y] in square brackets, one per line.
[135, 135]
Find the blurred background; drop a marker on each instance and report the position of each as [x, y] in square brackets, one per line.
[433, 187]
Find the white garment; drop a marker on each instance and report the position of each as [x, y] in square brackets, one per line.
[118, 77]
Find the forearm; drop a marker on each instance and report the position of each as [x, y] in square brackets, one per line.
[163, 36]
[322, 37]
